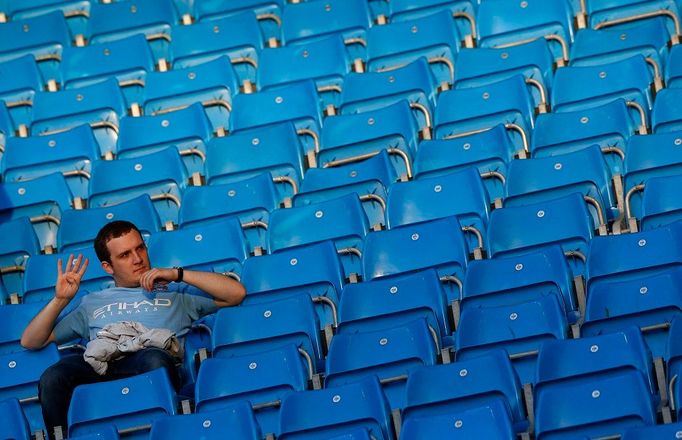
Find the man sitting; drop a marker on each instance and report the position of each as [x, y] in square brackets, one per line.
[157, 298]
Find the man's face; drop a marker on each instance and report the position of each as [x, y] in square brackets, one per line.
[129, 259]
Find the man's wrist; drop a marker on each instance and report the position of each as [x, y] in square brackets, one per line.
[180, 274]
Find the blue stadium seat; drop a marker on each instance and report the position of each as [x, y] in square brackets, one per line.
[236, 420]
[392, 301]
[275, 149]
[250, 200]
[306, 21]
[593, 387]
[352, 137]
[648, 302]
[342, 220]
[490, 151]
[20, 80]
[578, 88]
[260, 378]
[430, 198]
[462, 10]
[19, 242]
[188, 129]
[660, 204]
[70, 152]
[41, 273]
[502, 23]
[437, 243]
[100, 105]
[491, 421]
[389, 354]
[372, 90]
[161, 175]
[520, 329]
[128, 60]
[648, 38]
[670, 430]
[655, 155]
[4, 296]
[625, 12]
[15, 318]
[609, 126]
[79, 227]
[268, 13]
[665, 117]
[131, 404]
[434, 36]
[218, 247]
[369, 179]
[324, 61]
[44, 37]
[519, 278]
[114, 21]
[584, 171]
[15, 425]
[296, 102]
[507, 101]
[673, 68]
[42, 200]
[334, 411]
[19, 376]
[213, 84]
[565, 221]
[288, 320]
[313, 269]
[451, 388]
[483, 65]
[240, 39]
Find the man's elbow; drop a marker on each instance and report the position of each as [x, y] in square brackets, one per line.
[28, 344]
[240, 294]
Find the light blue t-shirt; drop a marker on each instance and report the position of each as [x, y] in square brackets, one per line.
[172, 307]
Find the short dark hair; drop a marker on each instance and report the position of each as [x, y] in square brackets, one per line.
[108, 232]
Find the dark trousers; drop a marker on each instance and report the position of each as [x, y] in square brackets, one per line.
[59, 380]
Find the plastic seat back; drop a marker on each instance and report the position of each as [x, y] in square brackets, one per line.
[219, 247]
[280, 322]
[161, 175]
[234, 420]
[262, 378]
[133, 402]
[334, 411]
[444, 389]
[70, 152]
[389, 353]
[527, 325]
[21, 373]
[42, 200]
[434, 36]
[507, 280]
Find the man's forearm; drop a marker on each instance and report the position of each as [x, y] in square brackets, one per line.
[37, 333]
[222, 288]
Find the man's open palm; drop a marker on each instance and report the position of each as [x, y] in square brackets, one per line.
[69, 277]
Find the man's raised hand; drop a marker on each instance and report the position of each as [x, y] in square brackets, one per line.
[69, 277]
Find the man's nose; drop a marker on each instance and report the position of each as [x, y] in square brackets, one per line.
[137, 257]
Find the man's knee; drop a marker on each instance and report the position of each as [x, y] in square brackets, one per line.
[153, 358]
[55, 377]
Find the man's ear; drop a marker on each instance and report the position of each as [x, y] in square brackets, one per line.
[107, 267]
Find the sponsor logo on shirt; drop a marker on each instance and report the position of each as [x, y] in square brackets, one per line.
[130, 308]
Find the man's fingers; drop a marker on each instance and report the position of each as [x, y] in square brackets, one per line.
[81, 272]
[76, 264]
[69, 262]
[59, 267]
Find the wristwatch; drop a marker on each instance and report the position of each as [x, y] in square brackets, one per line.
[181, 272]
